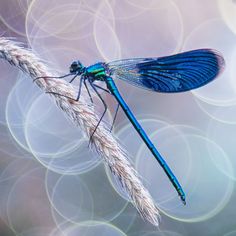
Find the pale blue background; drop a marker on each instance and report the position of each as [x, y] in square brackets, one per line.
[51, 184]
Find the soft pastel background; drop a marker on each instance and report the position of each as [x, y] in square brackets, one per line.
[52, 185]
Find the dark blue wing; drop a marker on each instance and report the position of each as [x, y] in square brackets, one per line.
[176, 73]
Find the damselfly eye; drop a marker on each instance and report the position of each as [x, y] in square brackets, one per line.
[76, 66]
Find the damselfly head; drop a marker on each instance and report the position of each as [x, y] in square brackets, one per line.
[76, 67]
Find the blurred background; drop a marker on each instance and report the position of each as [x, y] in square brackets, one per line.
[52, 185]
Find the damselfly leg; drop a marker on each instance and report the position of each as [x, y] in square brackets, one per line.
[104, 112]
[113, 122]
[62, 95]
[117, 108]
[52, 77]
[86, 86]
[103, 89]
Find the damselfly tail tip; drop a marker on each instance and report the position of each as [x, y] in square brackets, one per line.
[183, 199]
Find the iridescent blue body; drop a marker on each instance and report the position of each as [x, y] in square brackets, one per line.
[112, 87]
[170, 74]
